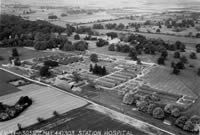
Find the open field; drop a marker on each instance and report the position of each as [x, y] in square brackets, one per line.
[160, 78]
[45, 101]
[5, 87]
[23, 52]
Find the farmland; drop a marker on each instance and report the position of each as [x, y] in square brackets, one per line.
[45, 101]
[85, 119]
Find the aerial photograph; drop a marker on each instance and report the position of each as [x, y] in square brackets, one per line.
[99, 67]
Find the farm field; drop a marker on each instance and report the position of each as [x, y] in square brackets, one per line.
[184, 84]
[45, 101]
[5, 87]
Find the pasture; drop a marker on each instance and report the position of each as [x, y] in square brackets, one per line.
[45, 101]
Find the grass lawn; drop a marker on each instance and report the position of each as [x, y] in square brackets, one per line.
[5, 87]
[23, 52]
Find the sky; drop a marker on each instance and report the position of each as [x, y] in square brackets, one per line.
[114, 3]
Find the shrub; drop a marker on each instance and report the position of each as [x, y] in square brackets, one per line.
[180, 122]
[55, 113]
[51, 63]
[39, 119]
[111, 47]
[158, 113]
[193, 55]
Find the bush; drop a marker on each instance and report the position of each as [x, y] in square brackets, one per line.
[111, 47]
[180, 122]
[193, 55]
[101, 43]
[158, 113]
[40, 120]
[55, 113]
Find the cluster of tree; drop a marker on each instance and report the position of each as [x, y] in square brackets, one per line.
[185, 23]
[15, 31]
[98, 70]
[148, 104]
[101, 43]
[89, 37]
[112, 35]
[180, 65]
[115, 26]
[51, 63]
[9, 112]
[44, 71]
[84, 30]
[98, 26]
[79, 46]
[52, 17]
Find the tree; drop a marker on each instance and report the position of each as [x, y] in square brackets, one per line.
[128, 99]
[177, 55]
[133, 54]
[68, 46]
[168, 108]
[158, 113]
[180, 65]
[112, 35]
[198, 72]
[81, 45]
[164, 54]
[189, 126]
[176, 71]
[94, 58]
[51, 63]
[44, 71]
[15, 52]
[183, 59]
[76, 77]
[161, 61]
[198, 48]
[150, 108]
[101, 43]
[111, 47]
[175, 112]
[158, 30]
[180, 122]
[91, 68]
[193, 55]
[142, 106]
[40, 45]
[76, 37]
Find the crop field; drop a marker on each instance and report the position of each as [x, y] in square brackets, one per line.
[85, 119]
[45, 101]
[5, 87]
[160, 78]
